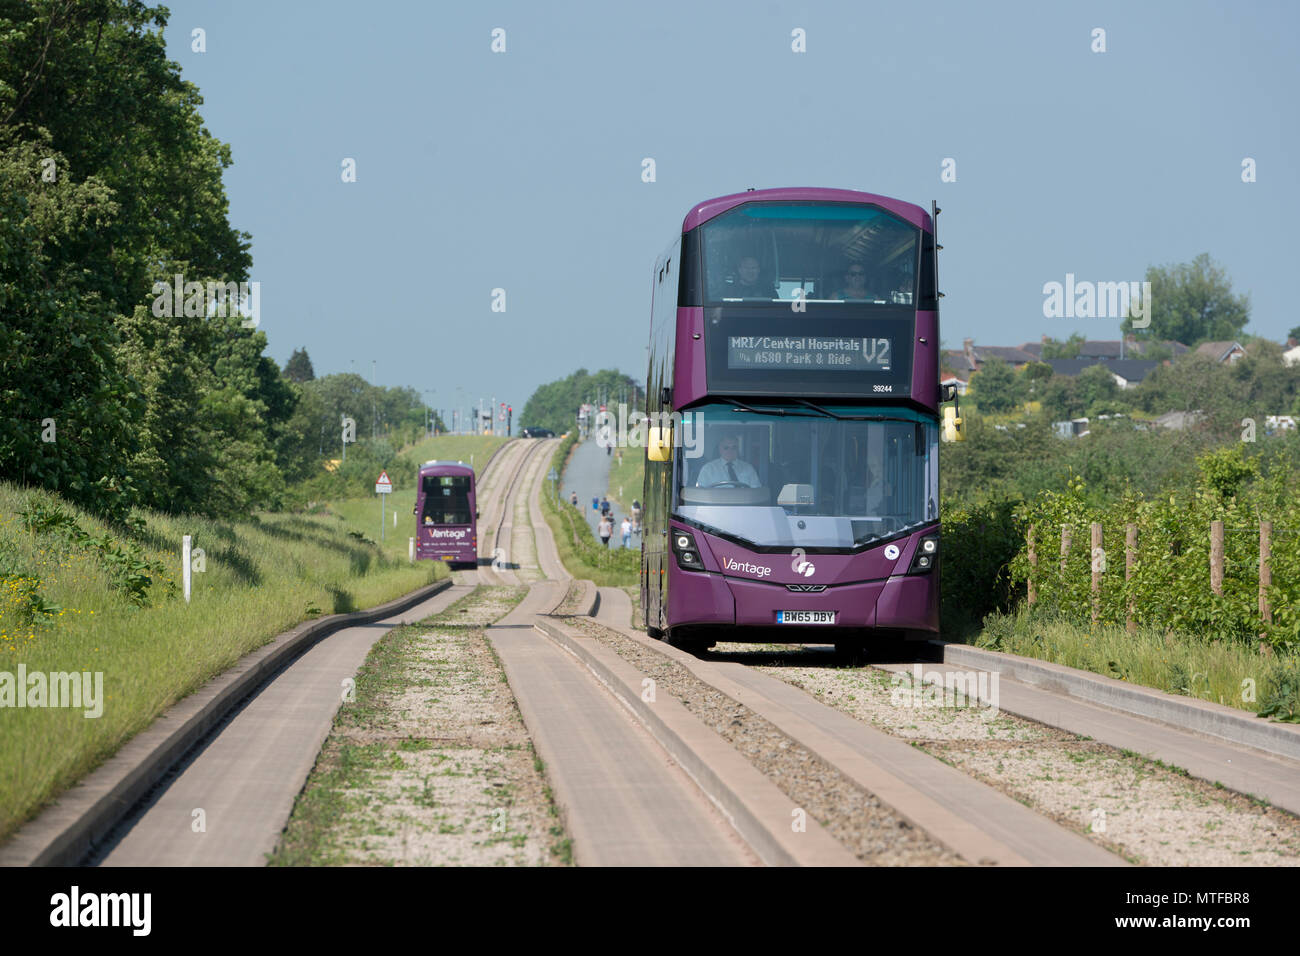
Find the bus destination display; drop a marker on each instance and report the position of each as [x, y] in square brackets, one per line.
[800, 352]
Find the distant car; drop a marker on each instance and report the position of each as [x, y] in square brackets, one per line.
[537, 433]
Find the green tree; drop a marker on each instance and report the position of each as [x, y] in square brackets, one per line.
[298, 368]
[1193, 302]
[1096, 390]
[996, 386]
[1256, 386]
[1053, 349]
[1036, 372]
[92, 81]
[307, 438]
[66, 408]
[1059, 398]
[110, 183]
[555, 404]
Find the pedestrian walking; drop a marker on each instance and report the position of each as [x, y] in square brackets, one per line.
[605, 506]
[626, 528]
[606, 530]
[573, 498]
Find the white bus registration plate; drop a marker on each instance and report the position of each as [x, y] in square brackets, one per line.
[805, 617]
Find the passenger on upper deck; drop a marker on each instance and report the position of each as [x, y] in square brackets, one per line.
[748, 284]
[855, 284]
[727, 468]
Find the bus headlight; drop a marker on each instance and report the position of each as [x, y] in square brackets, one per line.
[688, 556]
[927, 555]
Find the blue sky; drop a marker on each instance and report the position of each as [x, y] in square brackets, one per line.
[522, 170]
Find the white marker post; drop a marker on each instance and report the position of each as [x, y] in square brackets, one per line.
[383, 488]
[410, 550]
[186, 542]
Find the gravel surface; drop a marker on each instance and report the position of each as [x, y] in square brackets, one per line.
[1149, 813]
[873, 832]
[432, 764]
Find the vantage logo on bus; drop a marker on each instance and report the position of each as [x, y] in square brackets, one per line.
[448, 532]
[810, 352]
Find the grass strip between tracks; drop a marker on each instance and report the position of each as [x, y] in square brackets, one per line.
[431, 763]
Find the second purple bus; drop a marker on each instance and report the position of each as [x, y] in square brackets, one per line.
[792, 473]
[446, 513]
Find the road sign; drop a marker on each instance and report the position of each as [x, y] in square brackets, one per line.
[383, 486]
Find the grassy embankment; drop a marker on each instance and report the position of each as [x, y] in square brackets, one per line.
[77, 596]
[471, 449]
[1220, 671]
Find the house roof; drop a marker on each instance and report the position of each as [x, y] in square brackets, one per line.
[957, 361]
[1131, 370]
[1218, 350]
[1100, 348]
[1108, 348]
[1008, 353]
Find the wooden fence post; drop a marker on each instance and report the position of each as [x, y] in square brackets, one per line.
[1065, 545]
[1098, 562]
[1130, 559]
[1265, 570]
[1033, 566]
[1216, 557]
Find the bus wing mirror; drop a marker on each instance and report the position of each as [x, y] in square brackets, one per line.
[659, 443]
[954, 429]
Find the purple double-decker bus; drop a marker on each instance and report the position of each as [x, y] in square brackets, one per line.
[792, 473]
[445, 509]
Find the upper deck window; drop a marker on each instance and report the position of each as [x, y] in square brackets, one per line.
[446, 500]
[833, 252]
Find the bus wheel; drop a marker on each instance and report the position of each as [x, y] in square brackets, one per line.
[655, 632]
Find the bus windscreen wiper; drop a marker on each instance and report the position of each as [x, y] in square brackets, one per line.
[905, 529]
[854, 418]
[765, 411]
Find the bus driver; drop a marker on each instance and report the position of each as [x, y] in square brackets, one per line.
[727, 468]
